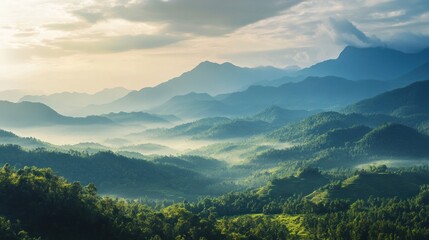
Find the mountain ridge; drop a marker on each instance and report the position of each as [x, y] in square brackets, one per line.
[379, 63]
[207, 77]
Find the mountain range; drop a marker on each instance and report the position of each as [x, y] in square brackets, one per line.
[369, 63]
[29, 114]
[405, 102]
[212, 89]
[224, 128]
[70, 103]
[207, 77]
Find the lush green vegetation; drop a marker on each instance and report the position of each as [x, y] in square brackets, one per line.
[37, 204]
[403, 102]
[334, 140]
[285, 175]
[223, 128]
[118, 175]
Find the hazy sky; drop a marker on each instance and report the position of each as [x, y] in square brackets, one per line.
[88, 45]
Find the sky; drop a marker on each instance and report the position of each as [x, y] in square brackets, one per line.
[88, 45]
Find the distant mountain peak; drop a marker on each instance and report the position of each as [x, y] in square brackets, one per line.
[379, 63]
[194, 94]
[352, 51]
[211, 65]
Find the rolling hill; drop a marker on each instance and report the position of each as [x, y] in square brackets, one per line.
[29, 114]
[193, 106]
[224, 128]
[7, 138]
[407, 101]
[113, 174]
[305, 182]
[279, 116]
[138, 117]
[377, 184]
[319, 124]
[395, 140]
[69, 103]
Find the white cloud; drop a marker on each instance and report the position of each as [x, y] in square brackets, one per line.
[199, 17]
[39, 34]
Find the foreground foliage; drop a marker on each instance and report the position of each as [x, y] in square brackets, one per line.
[37, 204]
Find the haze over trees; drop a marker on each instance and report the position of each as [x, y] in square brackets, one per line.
[339, 150]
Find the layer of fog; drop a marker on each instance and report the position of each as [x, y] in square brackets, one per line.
[394, 163]
[94, 138]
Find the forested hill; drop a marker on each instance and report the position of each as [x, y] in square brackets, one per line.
[36, 204]
[113, 174]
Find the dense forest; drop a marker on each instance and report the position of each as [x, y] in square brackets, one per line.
[38, 204]
[214, 120]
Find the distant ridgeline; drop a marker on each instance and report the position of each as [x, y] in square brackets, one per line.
[214, 90]
[339, 150]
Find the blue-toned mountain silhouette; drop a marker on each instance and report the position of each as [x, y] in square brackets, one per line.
[407, 101]
[207, 77]
[312, 93]
[29, 114]
[369, 63]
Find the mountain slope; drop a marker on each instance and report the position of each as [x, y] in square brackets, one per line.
[279, 116]
[194, 105]
[207, 77]
[378, 184]
[212, 128]
[369, 63]
[395, 140]
[312, 93]
[136, 117]
[305, 182]
[27, 142]
[418, 74]
[113, 174]
[187, 129]
[406, 101]
[319, 124]
[28, 114]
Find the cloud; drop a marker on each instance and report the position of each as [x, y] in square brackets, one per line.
[67, 26]
[118, 44]
[89, 15]
[345, 33]
[408, 42]
[29, 53]
[200, 17]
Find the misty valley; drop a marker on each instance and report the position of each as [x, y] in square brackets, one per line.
[338, 150]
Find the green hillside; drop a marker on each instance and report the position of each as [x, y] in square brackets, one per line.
[187, 129]
[279, 116]
[318, 124]
[36, 204]
[395, 140]
[213, 128]
[113, 174]
[375, 184]
[26, 142]
[304, 183]
[350, 146]
[339, 137]
[403, 102]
